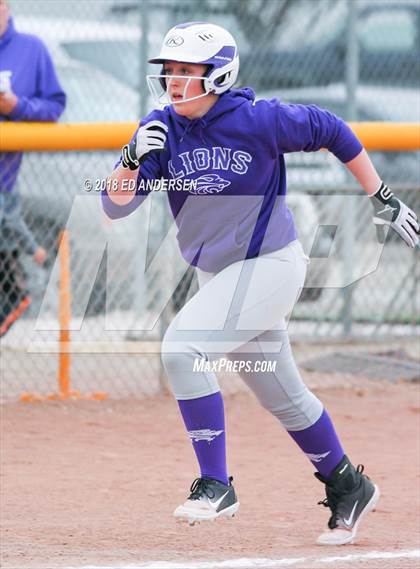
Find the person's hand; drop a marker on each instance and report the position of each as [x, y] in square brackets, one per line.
[8, 102]
[40, 256]
[150, 137]
[392, 212]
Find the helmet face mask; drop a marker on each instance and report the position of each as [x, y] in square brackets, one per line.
[202, 43]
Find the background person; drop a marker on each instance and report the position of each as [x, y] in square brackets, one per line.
[29, 91]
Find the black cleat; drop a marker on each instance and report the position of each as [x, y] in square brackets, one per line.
[209, 499]
[350, 496]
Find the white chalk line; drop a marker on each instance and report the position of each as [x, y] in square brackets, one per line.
[250, 563]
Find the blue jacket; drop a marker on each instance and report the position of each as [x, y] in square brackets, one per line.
[235, 153]
[26, 64]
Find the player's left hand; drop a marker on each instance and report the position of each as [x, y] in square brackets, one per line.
[392, 212]
[8, 102]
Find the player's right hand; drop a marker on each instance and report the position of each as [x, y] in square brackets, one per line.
[150, 137]
[392, 212]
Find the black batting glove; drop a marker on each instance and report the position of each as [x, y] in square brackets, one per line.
[150, 138]
[392, 212]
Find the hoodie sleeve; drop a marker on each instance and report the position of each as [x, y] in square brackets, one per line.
[149, 170]
[308, 128]
[49, 101]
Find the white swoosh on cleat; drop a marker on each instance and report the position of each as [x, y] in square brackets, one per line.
[217, 503]
[350, 519]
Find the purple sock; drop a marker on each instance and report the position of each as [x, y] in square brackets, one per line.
[204, 419]
[320, 444]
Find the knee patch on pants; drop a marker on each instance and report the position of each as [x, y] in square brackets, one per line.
[178, 359]
[298, 413]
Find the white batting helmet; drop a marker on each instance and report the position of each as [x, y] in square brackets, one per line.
[198, 42]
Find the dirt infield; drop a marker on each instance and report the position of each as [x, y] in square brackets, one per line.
[95, 483]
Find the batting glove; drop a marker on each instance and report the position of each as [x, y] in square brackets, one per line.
[150, 138]
[392, 212]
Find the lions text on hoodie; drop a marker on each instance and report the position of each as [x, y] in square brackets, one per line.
[235, 155]
[27, 70]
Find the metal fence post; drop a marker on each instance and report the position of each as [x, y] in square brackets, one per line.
[142, 111]
[144, 52]
[352, 76]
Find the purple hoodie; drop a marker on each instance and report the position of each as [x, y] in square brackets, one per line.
[26, 64]
[235, 153]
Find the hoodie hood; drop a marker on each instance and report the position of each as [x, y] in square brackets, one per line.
[8, 34]
[227, 102]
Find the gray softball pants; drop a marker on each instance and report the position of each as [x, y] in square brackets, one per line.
[241, 313]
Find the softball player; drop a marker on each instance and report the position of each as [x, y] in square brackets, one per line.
[235, 228]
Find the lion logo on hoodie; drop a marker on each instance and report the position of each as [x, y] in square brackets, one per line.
[209, 184]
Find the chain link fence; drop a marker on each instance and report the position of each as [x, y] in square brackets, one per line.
[295, 50]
